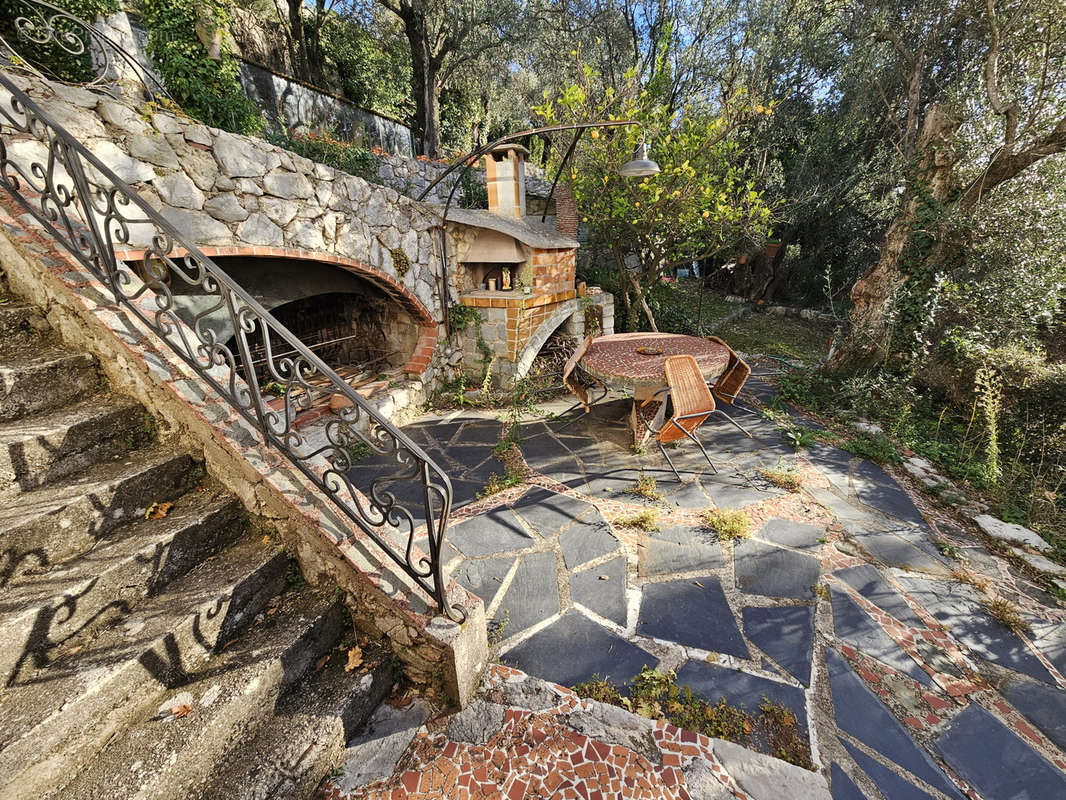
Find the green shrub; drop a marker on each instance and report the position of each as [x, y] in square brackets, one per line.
[207, 89]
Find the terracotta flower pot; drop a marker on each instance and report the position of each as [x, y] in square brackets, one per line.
[772, 248]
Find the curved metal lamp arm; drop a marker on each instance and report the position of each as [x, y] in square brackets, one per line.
[472, 157]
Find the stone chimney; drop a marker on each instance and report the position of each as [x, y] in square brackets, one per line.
[505, 180]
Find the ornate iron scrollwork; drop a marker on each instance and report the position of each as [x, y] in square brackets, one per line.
[90, 211]
[43, 29]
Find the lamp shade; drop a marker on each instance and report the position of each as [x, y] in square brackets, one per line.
[640, 166]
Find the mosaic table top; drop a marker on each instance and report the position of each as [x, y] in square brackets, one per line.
[615, 361]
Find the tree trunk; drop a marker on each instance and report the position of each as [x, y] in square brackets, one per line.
[867, 341]
[643, 302]
[296, 26]
[424, 84]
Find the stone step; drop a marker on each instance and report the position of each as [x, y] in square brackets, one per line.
[34, 380]
[306, 739]
[42, 449]
[55, 718]
[92, 590]
[56, 522]
[18, 319]
[163, 755]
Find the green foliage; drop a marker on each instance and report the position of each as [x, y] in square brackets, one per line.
[50, 58]
[205, 88]
[350, 157]
[646, 520]
[374, 66]
[656, 695]
[876, 447]
[728, 523]
[799, 437]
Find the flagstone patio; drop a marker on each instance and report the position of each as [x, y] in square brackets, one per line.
[840, 607]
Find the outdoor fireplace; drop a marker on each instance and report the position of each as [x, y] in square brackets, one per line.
[518, 272]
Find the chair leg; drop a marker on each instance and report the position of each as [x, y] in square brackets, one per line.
[668, 461]
[734, 422]
[703, 450]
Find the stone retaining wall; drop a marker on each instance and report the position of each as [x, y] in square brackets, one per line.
[221, 190]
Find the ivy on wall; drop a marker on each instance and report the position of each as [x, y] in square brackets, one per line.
[188, 42]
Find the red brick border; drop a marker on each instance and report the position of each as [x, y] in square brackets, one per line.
[427, 337]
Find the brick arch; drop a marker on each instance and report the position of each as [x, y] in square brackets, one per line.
[427, 336]
[541, 334]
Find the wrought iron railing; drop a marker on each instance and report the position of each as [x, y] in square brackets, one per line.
[43, 38]
[91, 212]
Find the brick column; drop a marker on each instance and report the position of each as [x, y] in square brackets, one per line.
[565, 211]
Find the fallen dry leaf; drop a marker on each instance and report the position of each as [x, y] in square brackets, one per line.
[181, 711]
[321, 662]
[158, 510]
[355, 659]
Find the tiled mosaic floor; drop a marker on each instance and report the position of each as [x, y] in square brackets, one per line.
[841, 607]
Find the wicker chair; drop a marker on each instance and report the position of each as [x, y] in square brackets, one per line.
[727, 388]
[575, 387]
[692, 404]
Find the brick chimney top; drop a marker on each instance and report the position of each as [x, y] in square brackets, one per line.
[505, 179]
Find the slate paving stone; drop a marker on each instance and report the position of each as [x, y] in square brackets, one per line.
[892, 786]
[895, 548]
[772, 571]
[548, 512]
[689, 496]
[542, 451]
[792, 534]
[785, 634]
[465, 492]
[432, 431]
[1050, 639]
[680, 549]
[843, 787]
[1042, 705]
[574, 649]
[691, 612]
[741, 689]
[532, 596]
[997, 763]
[498, 531]
[859, 713]
[584, 541]
[483, 577]
[855, 627]
[953, 604]
[613, 482]
[834, 463]
[877, 489]
[871, 584]
[486, 432]
[473, 456]
[729, 491]
[605, 597]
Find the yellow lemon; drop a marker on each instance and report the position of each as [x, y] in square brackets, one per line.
[595, 134]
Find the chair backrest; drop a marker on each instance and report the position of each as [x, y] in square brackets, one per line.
[733, 378]
[574, 386]
[691, 399]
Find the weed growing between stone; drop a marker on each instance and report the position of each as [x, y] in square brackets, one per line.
[728, 524]
[789, 478]
[656, 695]
[1007, 614]
[498, 483]
[646, 520]
[645, 487]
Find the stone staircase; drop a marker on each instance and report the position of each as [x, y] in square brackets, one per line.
[155, 642]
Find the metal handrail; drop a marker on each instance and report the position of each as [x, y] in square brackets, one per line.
[45, 24]
[90, 211]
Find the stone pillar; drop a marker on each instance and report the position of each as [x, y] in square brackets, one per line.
[565, 211]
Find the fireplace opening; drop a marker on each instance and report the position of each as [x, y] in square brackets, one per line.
[358, 329]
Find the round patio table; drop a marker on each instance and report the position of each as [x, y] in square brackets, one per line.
[614, 360]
